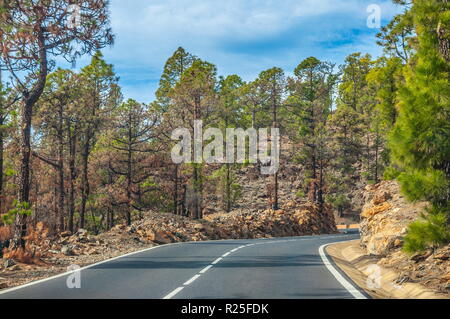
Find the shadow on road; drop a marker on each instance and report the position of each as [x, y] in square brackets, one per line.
[193, 262]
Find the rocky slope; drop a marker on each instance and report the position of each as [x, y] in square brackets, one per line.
[384, 220]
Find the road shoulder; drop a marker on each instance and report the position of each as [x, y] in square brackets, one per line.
[376, 281]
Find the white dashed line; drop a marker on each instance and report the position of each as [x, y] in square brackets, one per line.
[190, 281]
[173, 293]
[205, 269]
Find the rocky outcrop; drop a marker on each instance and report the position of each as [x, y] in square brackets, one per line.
[385, 218]
[384, 221]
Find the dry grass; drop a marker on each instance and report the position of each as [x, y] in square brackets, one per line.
[36, 247]
[5, 233]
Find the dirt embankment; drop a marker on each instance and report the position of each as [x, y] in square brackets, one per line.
[384, 221]
[82, 248]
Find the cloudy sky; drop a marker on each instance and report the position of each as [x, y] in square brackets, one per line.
[239, 36]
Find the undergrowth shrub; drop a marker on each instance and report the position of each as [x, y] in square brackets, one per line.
[37, 246]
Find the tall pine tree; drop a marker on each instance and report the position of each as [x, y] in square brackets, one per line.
[420, 141]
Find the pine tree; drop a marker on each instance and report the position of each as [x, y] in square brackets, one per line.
[385, 78]
[194, 98]
[131, 141]
[31, 38]
[351, 121]
[310, 101]
[174, 67]
[420, 140]
[228, 115]
[8, 99]
[272, 84]
[101, 95]
[60, 92]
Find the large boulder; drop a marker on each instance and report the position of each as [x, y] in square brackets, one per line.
[160, 237]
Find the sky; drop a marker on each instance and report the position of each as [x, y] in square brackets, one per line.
[241, 37]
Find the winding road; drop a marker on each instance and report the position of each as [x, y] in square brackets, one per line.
[285, 268]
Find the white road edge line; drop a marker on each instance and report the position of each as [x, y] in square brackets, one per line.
[344, 282]
[67, 273]
[173, 293]
[190, 281]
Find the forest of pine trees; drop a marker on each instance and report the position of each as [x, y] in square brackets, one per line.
[75, 154]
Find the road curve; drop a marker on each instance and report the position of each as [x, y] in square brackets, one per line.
[284, 268]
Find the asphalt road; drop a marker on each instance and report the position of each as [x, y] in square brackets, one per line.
[285, 268]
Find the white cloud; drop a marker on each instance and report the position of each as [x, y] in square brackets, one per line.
[240, 36]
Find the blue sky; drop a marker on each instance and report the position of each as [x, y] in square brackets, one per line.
[239, 36]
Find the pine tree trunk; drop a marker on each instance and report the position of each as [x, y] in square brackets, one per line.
[198, 187]
[61, 170]
[175, 190]
[314, 174]
[72, 154]
[228, 190]
[183, 201]
[24, 177]
[129, 177]
[30, 99]
[320, 199]
[84, 184]
[275, 176]
[111, 219]
[196, 192]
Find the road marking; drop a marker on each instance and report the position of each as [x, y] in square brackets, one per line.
[344, 282]
[173, 293]
[205, 269]
[170, 295]
[67, 273]
[190, 281]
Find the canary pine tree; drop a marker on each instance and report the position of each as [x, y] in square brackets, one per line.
[420, 140]
[228, 116]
